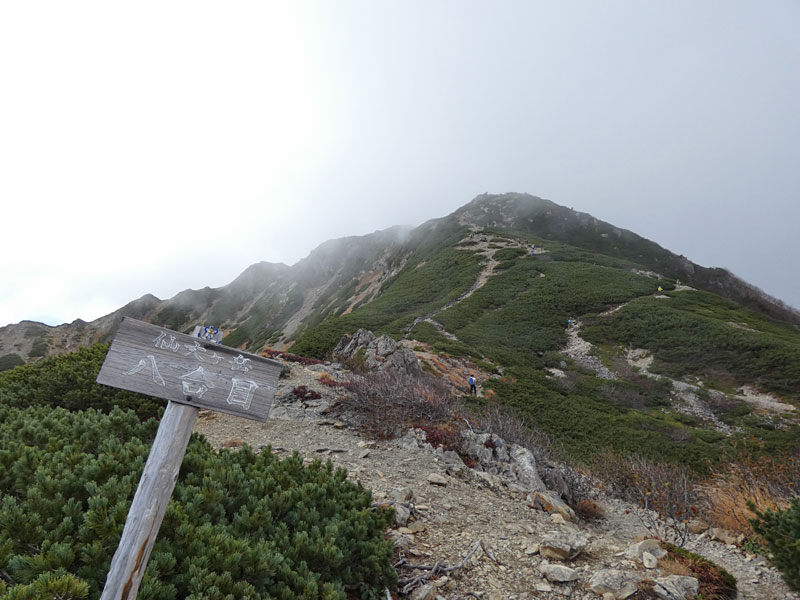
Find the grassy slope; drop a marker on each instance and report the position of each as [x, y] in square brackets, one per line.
[517, 320]
[435, 273]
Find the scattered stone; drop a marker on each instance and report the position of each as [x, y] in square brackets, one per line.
[401, 515]
[532, 549]
[621, 584]
[491, 481]
[651, 545]
[409, 441]
[697, 526]
[363, 454]
[676, 587]
[649, 561]
[543, 587]
[404, 495]
[559, 573]
[425, 592]
[436, 479]
[722, 535]
[563, 545]
[417, 526]
[453, 463]
[557, 519]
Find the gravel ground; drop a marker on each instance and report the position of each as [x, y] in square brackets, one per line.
[451, 518]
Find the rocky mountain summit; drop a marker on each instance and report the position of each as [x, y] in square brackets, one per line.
[490, 530]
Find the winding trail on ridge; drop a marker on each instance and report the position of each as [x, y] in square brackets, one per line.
[485, 249]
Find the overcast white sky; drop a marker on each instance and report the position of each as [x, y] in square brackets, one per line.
[150, 147]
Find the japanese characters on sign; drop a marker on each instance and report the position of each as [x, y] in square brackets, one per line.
[152, 360]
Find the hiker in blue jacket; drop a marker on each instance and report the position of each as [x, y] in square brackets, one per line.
[473, 388]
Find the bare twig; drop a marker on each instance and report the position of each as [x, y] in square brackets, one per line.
[409, 583]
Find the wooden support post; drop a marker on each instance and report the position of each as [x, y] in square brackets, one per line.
[150, 502]
[166, 364]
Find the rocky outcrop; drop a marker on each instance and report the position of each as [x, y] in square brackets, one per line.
[376, 353]
[512, 463]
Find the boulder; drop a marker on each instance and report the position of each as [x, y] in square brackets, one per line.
[621, 584]
[559, 573]
[524, 467]
[436, 479]
[453, 463]
[551, 502]
[676, 587]
[563, 545]
[409, 441]
[475, 446]
[401, 515]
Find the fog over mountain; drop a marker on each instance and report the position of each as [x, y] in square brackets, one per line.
[256, 133]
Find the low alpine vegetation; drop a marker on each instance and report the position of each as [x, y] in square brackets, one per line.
[240, 524]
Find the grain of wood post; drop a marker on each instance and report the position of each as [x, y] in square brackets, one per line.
[150, 503]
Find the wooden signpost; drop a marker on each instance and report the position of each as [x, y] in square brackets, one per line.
[191, 373]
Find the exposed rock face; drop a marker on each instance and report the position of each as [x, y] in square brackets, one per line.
[378, 353]
[512, 463]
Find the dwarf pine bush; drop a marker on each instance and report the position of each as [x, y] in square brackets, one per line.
[781, 531]
[239, 525]
[69, 381]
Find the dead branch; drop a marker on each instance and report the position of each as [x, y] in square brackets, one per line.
[409, 583]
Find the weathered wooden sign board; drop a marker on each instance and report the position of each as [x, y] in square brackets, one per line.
[174, 366]
[191, 373]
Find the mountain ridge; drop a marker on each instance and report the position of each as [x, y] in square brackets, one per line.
[278, 299]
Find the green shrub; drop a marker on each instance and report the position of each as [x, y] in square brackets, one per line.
[69, 381]
[434, 281]
[239, 525]
[39, 348]
[697, 333]
[781, 530]
[9, 361]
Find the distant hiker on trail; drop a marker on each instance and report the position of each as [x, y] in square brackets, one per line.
[473, 388]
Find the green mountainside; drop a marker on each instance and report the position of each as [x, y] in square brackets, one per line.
[668, 358]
